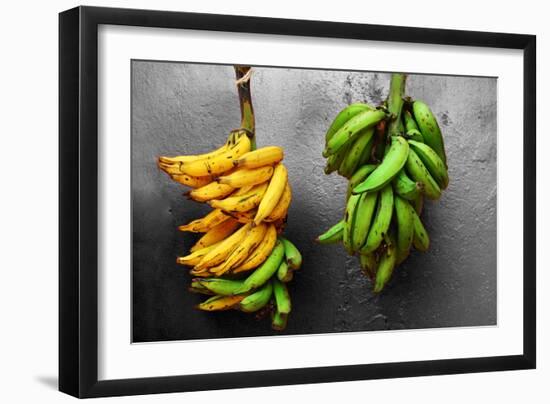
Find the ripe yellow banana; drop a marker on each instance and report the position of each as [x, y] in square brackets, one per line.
[217, 303]
[193, 182]
[214, 190]
[241, 203]
[260, 254]
[223, 249]
[245, 176]
[244, 217]
[273, 193]
[218, 164]
[252, 239]
[204, 224]
[215, 234]
[260, 157]
[196, 256]
[280, 210]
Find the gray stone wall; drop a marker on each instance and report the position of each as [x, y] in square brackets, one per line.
[180, 108]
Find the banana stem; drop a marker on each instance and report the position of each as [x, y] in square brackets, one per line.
[395, 101]
[245, 101]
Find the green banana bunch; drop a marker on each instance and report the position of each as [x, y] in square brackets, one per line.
[393, 157]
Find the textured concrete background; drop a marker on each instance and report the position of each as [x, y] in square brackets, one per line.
[188, 108]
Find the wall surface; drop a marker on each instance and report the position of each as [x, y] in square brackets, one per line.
[28, 291]
[189, 108]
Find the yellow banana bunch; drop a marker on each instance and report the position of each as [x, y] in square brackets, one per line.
[240, 259]
[393, 156]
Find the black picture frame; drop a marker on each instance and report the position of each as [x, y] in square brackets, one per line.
[78, 207]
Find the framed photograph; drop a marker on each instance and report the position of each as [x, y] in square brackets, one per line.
[251, 201]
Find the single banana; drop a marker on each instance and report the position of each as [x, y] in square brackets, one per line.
[405, 228]
[405, 187]
[281, 209]
[429, 128]
[257, 300]
[213, 190]
[292, 254]
[369, 264]
[411, 129]
[216, 234]
[421, 240]
[279, 321]
[381, 222]
[420, 173]
[244, 177]
[262, 274]
[356, 152]
[260, 254]
[196, 256]
[386, 266]
[349, 220]
[345, 115]
[243, 217]
[218, 254]
[241, 203]
[282, 298]
[206, 223]
[332, 235]
[192, 182]
[393, 162]
[218, 303]
[242, 251]
[363, 219]
[359, 176]
[284, 273]
[218, 164]
[230, 143]
[366, 154]
[222, 287]
[335, 161]
[351, 128]
[433, 163]
[418, 204]
[273, 193]
[197, 287]
[264, 156]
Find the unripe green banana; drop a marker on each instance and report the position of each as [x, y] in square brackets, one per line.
[282, 298]
[405, 187]
[222, 287]
[284, 273]
[349, 219]
[257, 300]
[409, 122]
[279, 320]
[369, 264]
[386, 266]
[366, 155]
[351, 129]
[262, 274]
[420, 173]
[393, 162]
[363, 218]
[345, 115]
[433, 163]
[405, 228]
[332, 235]
[292, 254]
[197, 287]
[418, 204]
[381, 223]
[334, 161]
[429, 128]
[421, 240]
[355, 153]
[359, 176]
[414, 134]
